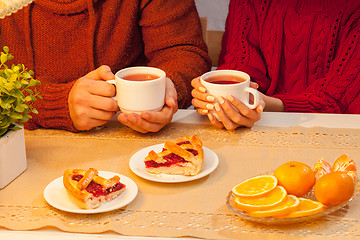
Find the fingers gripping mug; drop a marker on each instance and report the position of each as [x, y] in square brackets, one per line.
[140, 89]
[230, 82]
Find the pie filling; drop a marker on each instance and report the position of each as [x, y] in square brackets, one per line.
[96, 189]
[171, 158]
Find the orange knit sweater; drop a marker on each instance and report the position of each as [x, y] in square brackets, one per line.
[62, 40]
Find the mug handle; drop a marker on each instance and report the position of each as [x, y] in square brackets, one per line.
[256, 96]
[113, 82]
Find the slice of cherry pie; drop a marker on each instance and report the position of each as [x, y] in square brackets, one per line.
[183, 157]
[89, 190]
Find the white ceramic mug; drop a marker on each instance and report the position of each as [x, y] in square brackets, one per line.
[135, 96]
[240, 89]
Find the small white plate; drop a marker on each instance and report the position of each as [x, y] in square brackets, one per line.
[56, 195]
[137, 165]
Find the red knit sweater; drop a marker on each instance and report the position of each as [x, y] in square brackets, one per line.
[305, 52]
[62, 40]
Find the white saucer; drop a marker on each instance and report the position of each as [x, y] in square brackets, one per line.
[55, 194]
[137, 165]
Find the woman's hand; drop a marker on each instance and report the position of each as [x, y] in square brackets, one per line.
[231, 112]
[90, 99]
[151, 121]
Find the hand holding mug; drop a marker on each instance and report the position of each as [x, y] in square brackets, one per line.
[146, 97]
[90, 102]
[224, 96]
[153, 121]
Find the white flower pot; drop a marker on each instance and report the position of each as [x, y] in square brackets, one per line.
[12, 156]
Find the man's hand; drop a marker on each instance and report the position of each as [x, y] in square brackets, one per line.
[90, 99]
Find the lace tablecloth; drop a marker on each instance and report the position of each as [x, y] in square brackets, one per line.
[196, 208]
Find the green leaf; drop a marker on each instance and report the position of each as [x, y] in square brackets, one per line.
[6, 49]
[3, 58]
[32, 83]
[34, 111]
[28, 98]
[3, 131]
[25, 118]
[16, 68]
[29, 91]
[9, 86]
[16, 116]
[16, 128]
[19, 109]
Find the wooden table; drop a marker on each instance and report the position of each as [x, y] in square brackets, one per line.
[275, 131]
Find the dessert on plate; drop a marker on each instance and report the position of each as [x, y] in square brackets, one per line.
[89, 190]
[183, 157]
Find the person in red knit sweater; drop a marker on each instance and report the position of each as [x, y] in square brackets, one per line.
[74, 45]
[303, 55]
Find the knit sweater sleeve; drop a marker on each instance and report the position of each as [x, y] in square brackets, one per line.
[53, 107]
[339, 90]
[173, 42]
[241, 45]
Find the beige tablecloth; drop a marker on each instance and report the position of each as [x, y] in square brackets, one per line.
[197, 208]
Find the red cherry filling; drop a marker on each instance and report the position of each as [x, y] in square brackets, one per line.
[171, 158]
[97, 189]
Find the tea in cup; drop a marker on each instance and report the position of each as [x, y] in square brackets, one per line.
[230, 82]
[140, 89]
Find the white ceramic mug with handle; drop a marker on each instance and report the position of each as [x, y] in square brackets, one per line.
[140, 89]
[230, 82]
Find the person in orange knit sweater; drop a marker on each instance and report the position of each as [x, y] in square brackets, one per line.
[74, 45]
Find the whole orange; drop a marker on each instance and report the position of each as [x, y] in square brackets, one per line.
[334, 188]
[296, 177]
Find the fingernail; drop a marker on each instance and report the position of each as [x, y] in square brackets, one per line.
[172, 99]
[205, 111]
[221, 100]
[209, 106]
[210, 116]
[217, 107]
[260, 109]
[202, 89]
[210, 98]
[230, 98]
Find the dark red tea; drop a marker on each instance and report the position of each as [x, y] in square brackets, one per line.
[225, 79]
[140, 77]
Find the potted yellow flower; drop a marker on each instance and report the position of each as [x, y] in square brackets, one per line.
[17, 91]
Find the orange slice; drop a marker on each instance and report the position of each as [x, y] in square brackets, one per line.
[263, 202]
[255, 186]
[307, 207]
[291, 204]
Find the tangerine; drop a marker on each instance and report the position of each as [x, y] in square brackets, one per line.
[345, 164]
[296, 177]
[321, 168]
[334, 188]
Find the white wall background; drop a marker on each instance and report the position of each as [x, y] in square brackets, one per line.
[216, 12]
